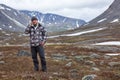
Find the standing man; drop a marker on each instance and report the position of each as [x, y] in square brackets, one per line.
[37, 41]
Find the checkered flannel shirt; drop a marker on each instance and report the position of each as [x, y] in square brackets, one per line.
[37, 34]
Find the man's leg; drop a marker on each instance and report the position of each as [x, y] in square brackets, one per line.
[42, 58]
[34, 57]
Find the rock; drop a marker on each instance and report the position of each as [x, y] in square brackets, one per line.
[102, 63]
[2, 62]
[56, 73]
[107, 57]
[74, 73]
[59, 56]
[1, 57]
[81, 58]
[69, 64]
[89, 77]
[23, 53]
[106, 49]
[91, 63]
[73, 54]
[95, 56]
[95, 69]
[113, 64]
[1, 54]
[7, 44]
[117, 75]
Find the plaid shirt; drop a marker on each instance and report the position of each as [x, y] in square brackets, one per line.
[37, 34]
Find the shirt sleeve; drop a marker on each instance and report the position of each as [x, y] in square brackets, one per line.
[27, 30]
[44, 34]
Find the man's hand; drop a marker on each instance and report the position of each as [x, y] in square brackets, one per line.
[42, 43]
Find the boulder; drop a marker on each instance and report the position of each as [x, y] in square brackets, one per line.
[74, 73]
[95, 69]
[2, 62]
[81, 58]
[59, 56]
[95, 56]
[107, 57]
[89, 77]
[113, 64]
[69, 64]
[91, 63]
[23, 53]
[1, 54]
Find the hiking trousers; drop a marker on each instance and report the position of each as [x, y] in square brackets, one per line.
[38, 50]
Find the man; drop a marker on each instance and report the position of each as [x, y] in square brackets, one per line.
[37, 41]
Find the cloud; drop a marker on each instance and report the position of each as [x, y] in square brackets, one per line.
[82, 9]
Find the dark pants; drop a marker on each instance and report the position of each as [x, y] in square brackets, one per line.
[40, 50]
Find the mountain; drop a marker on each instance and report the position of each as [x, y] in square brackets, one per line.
[55, 22]
[15, 20]
[111, 15]
[103, 29]
[11, 19]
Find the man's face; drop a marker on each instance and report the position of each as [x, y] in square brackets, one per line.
[34, 22]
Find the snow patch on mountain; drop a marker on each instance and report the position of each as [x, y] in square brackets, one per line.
[15, 13]
[1, 7]
[77, 24]
[79, 33]
[64, 20]
[102, 20]
[8, 9]
[85, 32]
[0, 28]
[115, 54]
[117, 43]
[10, 26]
[115, 20]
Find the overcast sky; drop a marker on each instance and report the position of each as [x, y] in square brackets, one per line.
[81, 9]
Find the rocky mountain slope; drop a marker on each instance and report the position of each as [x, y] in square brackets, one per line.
[55, 22]
[111, 15]
[11, 19]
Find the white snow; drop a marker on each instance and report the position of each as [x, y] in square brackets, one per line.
[50, 23]
[64, 20]
[115, 54]
[117, 43]
[116, 20]
[0, 28]
[53, 18]
[3, 25]
[15, 13]
[1, 7]
[79, 33]
[102, 20]
[86, 24]
[42, 18]
[77, 24]
[8, 9]
[54, 36]
[84, 32]
[55, 22]
[70, 28]
[10, 26]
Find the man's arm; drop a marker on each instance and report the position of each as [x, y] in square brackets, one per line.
[44, 35]
[27, 30]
